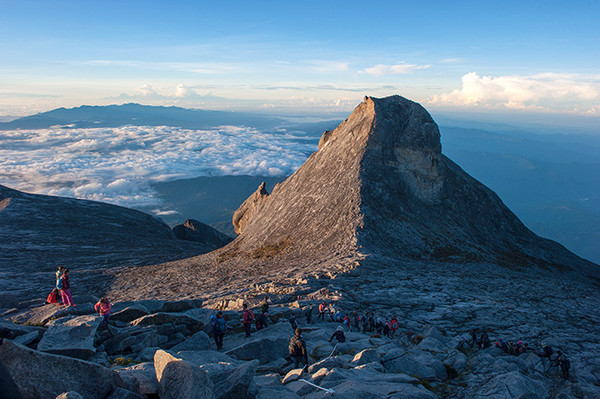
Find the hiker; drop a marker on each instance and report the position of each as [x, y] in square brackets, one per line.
[347, 322]
[371, 323]
[564, 364]
[64, 286]
[322, 307]
[247, 319]
[53, 297]
[308, 314]
[297, 349]
[331, 311]
[386, 329]
[103, 308]
[59, 273]
[484, 341]
[393, 326]
[293, 322]
[339, 335]
[365, 322]
[379, 326]
[474, 341]
[219, 328]
[338, 316]
[264, 307]
[356, 320]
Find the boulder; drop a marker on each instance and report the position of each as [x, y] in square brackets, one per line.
[182, 380]
[71, 336]
[198, 341]
[419, 365]
[130, 313]
[181, 305]
[45, 375]
[328, 363]
[39, 316]
[70, 395]
[122, 393]
[191, 324]
[10, 330]
[134, 341]
[365, 356]
[193, 230]
[10, 390]
[265, 349]
[512, 385]
[140, 378]
[236, 383]
[292, 375]
[279, 392]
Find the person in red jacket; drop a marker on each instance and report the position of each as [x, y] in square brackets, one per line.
[393, 326]
[322, 308]
[103, 308]
[247, 320]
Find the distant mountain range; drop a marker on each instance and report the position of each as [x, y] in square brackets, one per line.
[88, 116]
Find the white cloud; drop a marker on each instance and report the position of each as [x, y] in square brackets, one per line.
[117, 165]
[381, 69]
[547, 91]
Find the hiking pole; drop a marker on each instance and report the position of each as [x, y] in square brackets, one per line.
[329, 391]
[334, 348]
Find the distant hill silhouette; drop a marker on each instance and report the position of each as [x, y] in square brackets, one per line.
[138, 115]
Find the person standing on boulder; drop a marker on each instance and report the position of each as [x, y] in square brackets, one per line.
[103, 308]
[219, 328]
[59, 273]
[64, 286]
[247, 320]
[297, 349]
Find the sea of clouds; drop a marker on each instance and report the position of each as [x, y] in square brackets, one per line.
[119, 165]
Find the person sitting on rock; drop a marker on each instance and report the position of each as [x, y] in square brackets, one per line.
[297, 349]
[103, 308]
[247, 319]
[394, 325]
[219, 329]
[339, 335]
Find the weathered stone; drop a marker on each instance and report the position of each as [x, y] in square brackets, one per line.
[10, 330]
[193, 230]
[45, 375]
[512, 385]
[236, 383]
[121, 393]
[41, 315]
[192, 325]
[292, 375]
[182, 380]
[328, 363]
[70, 395]
[264, 349]
[365, 356]
[198, 341]
[140, 378]
[130, 313]
[71, 336]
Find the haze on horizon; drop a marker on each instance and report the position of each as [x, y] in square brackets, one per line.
[524, 58]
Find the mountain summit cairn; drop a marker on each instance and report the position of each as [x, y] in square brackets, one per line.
[377, 192]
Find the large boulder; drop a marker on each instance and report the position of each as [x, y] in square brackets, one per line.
[130, 313]
[512, 385]
[182, 380]
[417, 363]
[237, 382]
[40, 315]
[191, 324]
[140, 378]
[198, 341]
[44, 375]
[365, 356]
[265, 349]
[71, 336]
[10, 330]
[121, 393]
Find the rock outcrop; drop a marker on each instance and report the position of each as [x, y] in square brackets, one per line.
[193, 230]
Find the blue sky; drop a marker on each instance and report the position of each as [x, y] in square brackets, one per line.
[303, 56]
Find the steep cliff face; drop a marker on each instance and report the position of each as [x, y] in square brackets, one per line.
[379, 183]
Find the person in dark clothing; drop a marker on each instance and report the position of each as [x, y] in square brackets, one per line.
[293, 322]
[219, 329]
[8, 388]
[247, 319]
[297, 349]
[564, 364]
[308, 314]
[264, 307]
[356, 320]
[484, 341]
[474, 340]
[339, 335]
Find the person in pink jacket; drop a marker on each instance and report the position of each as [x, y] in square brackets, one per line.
[103, 308]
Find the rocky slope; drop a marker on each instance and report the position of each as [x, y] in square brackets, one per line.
[38, 233]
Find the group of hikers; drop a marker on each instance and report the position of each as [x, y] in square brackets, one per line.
[559, 361]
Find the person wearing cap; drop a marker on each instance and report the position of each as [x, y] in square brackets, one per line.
[298, 350]
[339, 335]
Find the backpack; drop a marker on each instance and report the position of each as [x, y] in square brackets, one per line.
[293, 348]
[394, 324]
[220, 326]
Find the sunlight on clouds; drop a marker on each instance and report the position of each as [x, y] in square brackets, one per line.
[117, 165]
[544, 92]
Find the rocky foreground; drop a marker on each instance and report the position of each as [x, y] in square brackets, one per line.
[162, 349]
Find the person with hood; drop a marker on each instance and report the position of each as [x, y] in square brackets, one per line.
[339, 335]
[297, 349]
